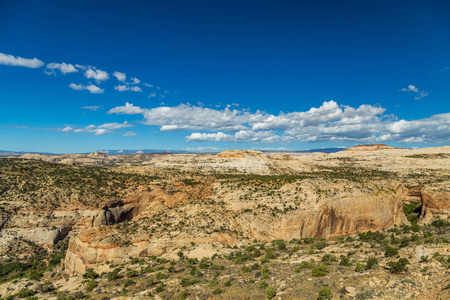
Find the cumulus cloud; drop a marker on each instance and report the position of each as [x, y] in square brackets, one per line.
[9, 60]
[123, 88]
[96, 74]
[91, 88]
[130, 134]
[120, 76]
[62, 67]
[187, 117]
[421, 95]
[92, 107]
[128, 109]
[98, 130]
[88, 129]
[329, 122]
[412, 88]
[202, 149]
[114, 126]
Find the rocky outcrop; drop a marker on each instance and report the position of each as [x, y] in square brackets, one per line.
[231, 154]
[435, 201]
[97, 245]
[333, 217]
[369, 147]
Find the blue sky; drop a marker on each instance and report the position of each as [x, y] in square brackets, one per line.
[80, 76]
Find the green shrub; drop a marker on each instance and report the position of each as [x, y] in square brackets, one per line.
[91, 284]
[389, 251]
[114, 274]
[270, 293]
[25, 292]
[160, 288]
[398, 267]
[327, 259]
[305, 265]
[245, 269]
[186, 282]
[318, 271]
[262, 284]
[129, 282]
[320, 245]
[183, 295]
[364, 294]
[345, 261]
[132, 273]
[90, 274]
[324, 293]
[371, 263]
[359, 267]
[280, 244]
[161, 276]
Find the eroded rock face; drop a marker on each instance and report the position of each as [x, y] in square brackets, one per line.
[343, 214]
[435, 201]
[97, 245]
[346, 215]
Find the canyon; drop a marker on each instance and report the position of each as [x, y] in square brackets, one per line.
[113, 208]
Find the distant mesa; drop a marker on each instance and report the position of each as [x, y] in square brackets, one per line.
[97, 155]
[238, 153]
[369, 147]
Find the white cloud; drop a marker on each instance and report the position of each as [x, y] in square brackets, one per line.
[243, 136]
[120, 88]
[329, 122]
[272, 149]
[9, 60]
[411, 88]
[92, 107]
[152, 95]
[123, 88]
[88, 129]
[128, 109]
[130, 134]
[96, 74]
[62, 67]
[114, 126]
[202, 149]
[422, 94]
[149, 85]
[120, 76]
[77, 87]
[91, 88]
[98, 130]
[94, 89]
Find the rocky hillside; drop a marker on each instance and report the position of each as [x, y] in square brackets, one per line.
[144, 224]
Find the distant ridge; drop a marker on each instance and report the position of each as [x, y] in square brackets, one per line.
[118, 152]
[369, 147]
[20, 153]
